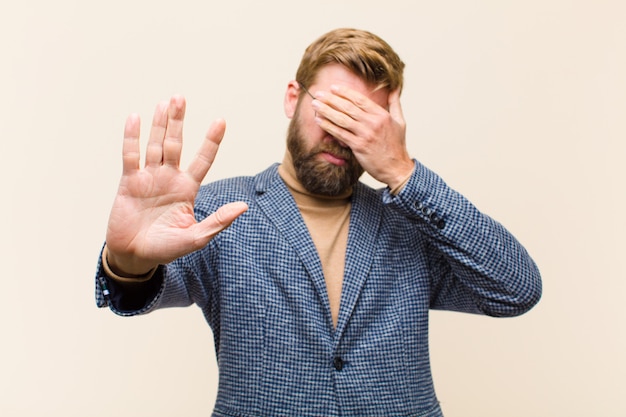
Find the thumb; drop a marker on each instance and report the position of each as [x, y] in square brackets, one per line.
[395, 109]
[218, 221]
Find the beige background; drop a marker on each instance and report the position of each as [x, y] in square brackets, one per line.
[520, 105]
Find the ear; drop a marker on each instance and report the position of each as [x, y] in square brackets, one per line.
[291, 98]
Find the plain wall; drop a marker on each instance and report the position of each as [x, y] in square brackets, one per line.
[520, 105]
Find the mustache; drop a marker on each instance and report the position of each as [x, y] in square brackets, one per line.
[335, 149]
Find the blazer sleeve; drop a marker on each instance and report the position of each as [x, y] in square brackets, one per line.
[475, 264]
[168, 287]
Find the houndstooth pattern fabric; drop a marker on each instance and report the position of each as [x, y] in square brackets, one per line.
[261, 289]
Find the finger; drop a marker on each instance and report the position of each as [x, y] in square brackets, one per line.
[206, 154]
[218, 221]
[173, 141]
[154, 150]
[354, 102]
[331, 110]
[339, 125]
[343, 135]
[335, 107]
[130, 147]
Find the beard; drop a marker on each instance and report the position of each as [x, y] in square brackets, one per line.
[316, 175]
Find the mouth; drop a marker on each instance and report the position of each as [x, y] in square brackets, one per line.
[334, 152]
[333, 158]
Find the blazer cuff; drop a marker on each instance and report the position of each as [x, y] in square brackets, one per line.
[424, 197]
[128, 298]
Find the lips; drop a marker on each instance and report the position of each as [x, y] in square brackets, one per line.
[336, 155]
[333, 159]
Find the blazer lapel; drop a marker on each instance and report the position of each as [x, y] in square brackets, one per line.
[275, 200]
[365, 219]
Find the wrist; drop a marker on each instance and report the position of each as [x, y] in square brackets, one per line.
[401, 178]
[129, 270]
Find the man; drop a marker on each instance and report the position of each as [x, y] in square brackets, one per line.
[317, 287]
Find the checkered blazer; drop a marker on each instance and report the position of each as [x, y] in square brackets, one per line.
[261, 288]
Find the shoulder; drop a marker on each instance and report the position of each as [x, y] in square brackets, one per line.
[242, 188]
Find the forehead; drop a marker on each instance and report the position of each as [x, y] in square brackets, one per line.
[338, 74]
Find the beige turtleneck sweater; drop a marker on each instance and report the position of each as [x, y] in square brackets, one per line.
[327, 219]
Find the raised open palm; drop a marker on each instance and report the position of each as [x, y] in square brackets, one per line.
[152, 220]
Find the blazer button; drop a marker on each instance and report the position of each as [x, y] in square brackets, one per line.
[437, 221]
[338, 363]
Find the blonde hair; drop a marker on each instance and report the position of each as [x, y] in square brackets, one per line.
[362, 52]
